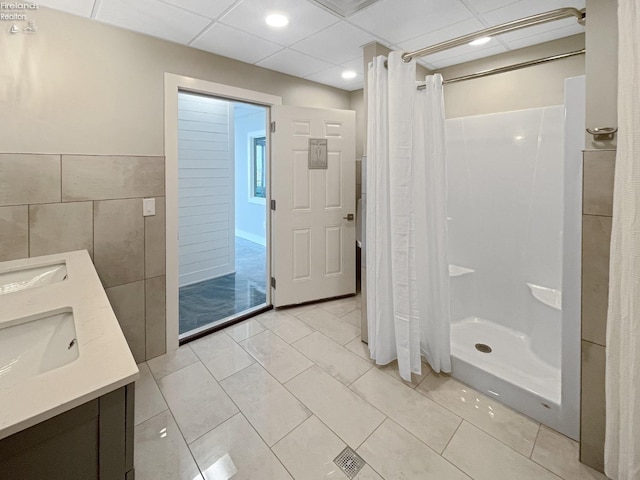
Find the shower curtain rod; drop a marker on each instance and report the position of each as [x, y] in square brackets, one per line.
[509, 68]
[511, 26]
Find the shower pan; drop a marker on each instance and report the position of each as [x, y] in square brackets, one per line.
[514, 206]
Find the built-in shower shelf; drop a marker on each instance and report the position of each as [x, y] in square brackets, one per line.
[457, 270]
[548, 296]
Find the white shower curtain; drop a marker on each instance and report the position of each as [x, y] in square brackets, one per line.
[407, 268]
[622, 441]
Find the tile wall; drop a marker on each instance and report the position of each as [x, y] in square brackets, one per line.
[58, 203]
[597, 206]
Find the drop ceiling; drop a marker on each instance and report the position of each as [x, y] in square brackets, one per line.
[319, 44]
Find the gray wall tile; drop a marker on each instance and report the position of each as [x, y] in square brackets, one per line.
[28, 179]
[592, 427]
[154, 241]
[119, 241]
[128, 303]
[599, 168]
[155, 299]
[596, 237]
[111, 177]
[14, 233]
[60, 227]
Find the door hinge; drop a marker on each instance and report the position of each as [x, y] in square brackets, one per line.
[273, 282]
[273, 204]
[273, 127]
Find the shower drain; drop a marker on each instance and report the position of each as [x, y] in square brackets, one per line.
[349, 462]
[481, 347]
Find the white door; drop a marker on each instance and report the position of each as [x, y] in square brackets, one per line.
[313, 224]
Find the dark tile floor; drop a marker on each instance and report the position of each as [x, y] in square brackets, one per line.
[212, 300]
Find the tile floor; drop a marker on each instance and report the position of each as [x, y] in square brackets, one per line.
[280, 395]
[211, 300]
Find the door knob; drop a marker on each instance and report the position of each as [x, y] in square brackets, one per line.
[349, 217]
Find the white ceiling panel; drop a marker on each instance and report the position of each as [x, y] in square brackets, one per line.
[531, 32]
[526, 8]
[447, 61]
[483, 6]
[546, 36]
[357, 65]
[229, 42]
[333, 76]
[294, 63]
[206, 8]
[304, 19]
[400, 20]
[337, 44]
[444, 34]
[77, 7]
[153, 18]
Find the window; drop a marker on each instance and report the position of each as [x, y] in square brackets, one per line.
[257, 171]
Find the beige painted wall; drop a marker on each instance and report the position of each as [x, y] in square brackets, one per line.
[79, 86]
[602, 68]
[531, 87]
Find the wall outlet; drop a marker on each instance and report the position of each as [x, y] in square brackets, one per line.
[148, 207]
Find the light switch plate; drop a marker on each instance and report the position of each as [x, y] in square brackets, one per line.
[148, 207]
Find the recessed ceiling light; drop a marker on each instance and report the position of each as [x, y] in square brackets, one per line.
[277, 20]
[480, 41]
[348, 74]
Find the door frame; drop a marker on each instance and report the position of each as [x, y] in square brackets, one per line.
[172, 84]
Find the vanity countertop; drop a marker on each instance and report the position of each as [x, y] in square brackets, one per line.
[104, 361]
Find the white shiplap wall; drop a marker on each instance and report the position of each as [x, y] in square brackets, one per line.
[205, 188]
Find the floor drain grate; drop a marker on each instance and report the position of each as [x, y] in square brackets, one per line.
[349, 462]
[481, 347]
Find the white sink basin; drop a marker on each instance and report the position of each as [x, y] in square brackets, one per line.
[16, 280]
[34, 345]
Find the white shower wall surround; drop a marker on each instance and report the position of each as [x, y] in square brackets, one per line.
[506, 211]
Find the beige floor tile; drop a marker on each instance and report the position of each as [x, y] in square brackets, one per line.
[172, 361]
[423, 417]
[234, 450]
[148, 399]
[354, 317]
[221, 355]
[559, 454]
[508, 426]
[395, 453]
[276, 356]
[244, 330]
[392, 369]
[309, 450]
[299, 309]
[340, 307]
[196, 400]
[339, 408]
[270, 408]
[161, 453]
[327, 323]
[485, 458]
[367, 473]
[336, 360]
[286, 326]
[360, 348]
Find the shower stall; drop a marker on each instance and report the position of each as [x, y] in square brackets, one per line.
[514, 203]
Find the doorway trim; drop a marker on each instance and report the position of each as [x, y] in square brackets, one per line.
[172, 84]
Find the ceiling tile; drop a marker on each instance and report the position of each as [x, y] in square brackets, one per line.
[233, 43]
[76, 7]
[526, 8]
[438, 36]
[545, 36]
[568, 25]
[337, 44]
[357, 65]
[447, 61]
[305, 19]
[206, 8]
[294, 63]
[153, 18]
[333, 76]
[483, 6]
[400, 20]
